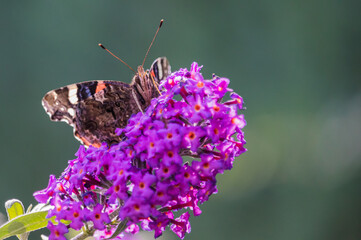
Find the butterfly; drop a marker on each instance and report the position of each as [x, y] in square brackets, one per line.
[96, 108]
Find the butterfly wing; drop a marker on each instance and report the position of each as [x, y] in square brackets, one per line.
[160, 68]
[94, 109]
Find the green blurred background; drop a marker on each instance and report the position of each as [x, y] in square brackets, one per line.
[296, 63]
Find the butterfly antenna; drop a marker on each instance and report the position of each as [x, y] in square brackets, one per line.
[155, 35]
[102, 46]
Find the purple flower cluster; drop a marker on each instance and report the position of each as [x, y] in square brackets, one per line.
[167, 162]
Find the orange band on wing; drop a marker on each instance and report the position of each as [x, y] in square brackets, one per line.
[96, 145]
[86, 142]
[100, 87]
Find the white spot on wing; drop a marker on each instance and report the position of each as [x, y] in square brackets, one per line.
[160, 70]
[73, 89]
[71, 111]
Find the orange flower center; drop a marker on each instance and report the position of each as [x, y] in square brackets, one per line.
[206, 165]
[191, 135]
[216, 131]
[136, 207]
[60, 187]
[197, 107]
[170, 154]
[200, 84]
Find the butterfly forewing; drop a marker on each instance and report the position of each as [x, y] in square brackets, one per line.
[161, 68]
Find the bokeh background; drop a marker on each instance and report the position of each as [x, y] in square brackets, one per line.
[296, 63]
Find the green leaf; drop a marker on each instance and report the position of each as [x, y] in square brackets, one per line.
[25, 223]
[14, 208]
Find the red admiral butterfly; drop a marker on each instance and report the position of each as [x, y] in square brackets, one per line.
[96, 108]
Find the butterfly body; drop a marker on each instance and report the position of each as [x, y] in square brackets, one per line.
[96, 108]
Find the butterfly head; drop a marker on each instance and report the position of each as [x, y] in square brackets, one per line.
[141, 72]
